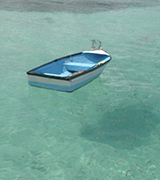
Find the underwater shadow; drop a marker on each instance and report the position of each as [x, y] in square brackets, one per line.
[123, 128]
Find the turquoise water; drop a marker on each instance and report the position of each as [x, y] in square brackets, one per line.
[108, 129]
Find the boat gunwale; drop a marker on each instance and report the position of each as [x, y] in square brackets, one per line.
[67, 78]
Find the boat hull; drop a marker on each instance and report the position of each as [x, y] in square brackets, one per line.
[65, 84]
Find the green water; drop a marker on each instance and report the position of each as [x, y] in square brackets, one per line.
[108, 129]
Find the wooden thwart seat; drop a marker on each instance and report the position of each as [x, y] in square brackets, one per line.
[76, 66]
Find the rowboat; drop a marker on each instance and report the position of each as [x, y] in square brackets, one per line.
[70, 72]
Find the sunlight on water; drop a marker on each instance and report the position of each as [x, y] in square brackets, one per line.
[108, 129]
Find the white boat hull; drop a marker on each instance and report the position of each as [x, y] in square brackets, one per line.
[63, 84]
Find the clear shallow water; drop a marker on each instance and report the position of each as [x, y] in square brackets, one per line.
[108, 129]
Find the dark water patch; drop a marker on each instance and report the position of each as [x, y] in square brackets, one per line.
[49, 20]
[71, 6]
[123, 128]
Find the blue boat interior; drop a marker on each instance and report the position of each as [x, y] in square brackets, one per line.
[73, 64]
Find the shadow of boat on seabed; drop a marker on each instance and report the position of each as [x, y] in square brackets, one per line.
[126, 128]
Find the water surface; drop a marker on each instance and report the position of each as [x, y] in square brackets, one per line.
[108, 129]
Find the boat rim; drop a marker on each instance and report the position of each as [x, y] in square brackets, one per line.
[67, 78]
